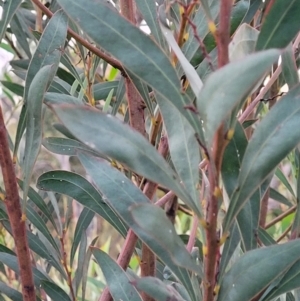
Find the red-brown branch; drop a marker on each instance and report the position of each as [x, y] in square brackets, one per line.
[13, 206]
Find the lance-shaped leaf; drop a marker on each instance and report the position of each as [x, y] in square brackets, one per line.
[280, 26]
[184, 148]
[289, 67]
[8, 10]
[255, 270]
[115, 187]
[83, 192]
[271, 142]
[229, 86]
[34, 105]
[116, 278]
[10, 292]
[109, 136]
[142, 56]
[157, 289]
[54, 291]
[48, 52]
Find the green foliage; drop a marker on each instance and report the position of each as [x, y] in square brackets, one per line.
[164, 119]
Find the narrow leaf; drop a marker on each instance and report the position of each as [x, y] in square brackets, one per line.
[110, 137]
[48, 52]
[84, 220]
[36, 93]
[184, 148]
[115, 187]
[54, 291]
[272, 140]
[219, 96]
[141, 50]
[83, 192]
[289, 67]
[8, 10]
[157, 289]
[116, 278]
[10, 292]
[255, 270]
[280, 26]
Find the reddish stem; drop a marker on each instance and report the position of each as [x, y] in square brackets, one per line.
[16, 219]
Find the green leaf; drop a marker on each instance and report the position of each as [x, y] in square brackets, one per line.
[49, 49]
[110, 137]
[289, 67]
[243, 42]
[157, 289]
[280, 175]
[280, 26]
[8, 10]
[65, 146]
[272, 140]
[145, 216]
[38, 222]
[10, 292]
[219, 96]
[48, 52]
[13, 87]
[101, 90]
[141, 50]
[277, 196]
[12, 262]
[255, 270]
[184, 149]
[116, 278]
[148, 10]
[33, 140]
[50, 254]
[80, 261]
[40, 203]
[115, 186]
[84, 220]
[83, 192]
[290, 281]
[61, 98]
[55, 292]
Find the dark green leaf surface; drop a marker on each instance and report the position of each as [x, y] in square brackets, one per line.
[55, 292]
[50, 254]
[272, 140]
[290, 281]
[60, 98]
[289, 67]
[280, 26]
[101, 90]
[145, 216]
[157, 289]
[148, 10]
[110, 137]
[12, 262]
[66, 146]
[40, 203]
[49, 49]
[219, 96]
[13, 87]
[8, 10]
[83, 192]
[116, 278]
[184, 149]
[114, 30]
[33, 140]
[10, 292]
[256, 270]
[38, 222]
[84, 220]
[115, 187]
[48, 52]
